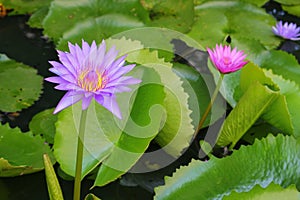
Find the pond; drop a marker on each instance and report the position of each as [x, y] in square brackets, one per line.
[179, 44]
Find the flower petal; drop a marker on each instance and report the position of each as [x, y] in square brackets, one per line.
[68, 99]
[110, 103]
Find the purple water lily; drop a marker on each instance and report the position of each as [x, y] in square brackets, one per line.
[287, 30]
[225, 60]
[91, 72]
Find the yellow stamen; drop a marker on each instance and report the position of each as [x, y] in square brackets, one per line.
[91, 81]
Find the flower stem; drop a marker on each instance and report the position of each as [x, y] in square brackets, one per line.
[79, 156]
[212, 100]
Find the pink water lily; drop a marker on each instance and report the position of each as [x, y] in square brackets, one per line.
[287, 30]
[91, 73]
[225, 60]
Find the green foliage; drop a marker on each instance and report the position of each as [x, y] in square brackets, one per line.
[178, 129]
[272, 192]
[249, 108]
[273, 159]
[43, 124]
[98, 28]
[287, 103]
[199, 86]
[64, 15]
[36, 19]
[293, 10]
[91, 197]
[21, 153]
[216, 20]
[177, 132]
[24, 6]
[20, 86]
[97, 145]
[281, 63]
[137, 132]
[54, 189]
[287, 2]
[178, 16]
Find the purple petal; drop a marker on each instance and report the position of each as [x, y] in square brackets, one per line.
[86, 102]
[110, 103]
[68, 99]
[56, 79]
[125, 80]
[121, 72]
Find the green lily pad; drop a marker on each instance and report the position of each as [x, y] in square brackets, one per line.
[43, 124]
[24, 6]
[216, 20]
[98, 28]
[177, 16]
[21, 153]
[287, 2]
[20, 86]
[293, 9]
[64, 14]
[272, 192]
[270, 160]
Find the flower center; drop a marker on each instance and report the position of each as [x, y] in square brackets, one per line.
[91, 81]
[227, 61]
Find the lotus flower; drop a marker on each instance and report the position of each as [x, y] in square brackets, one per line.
[91, 73]
[287, 31]
[225, 60]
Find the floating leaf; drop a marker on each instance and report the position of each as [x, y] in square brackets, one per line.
[272, 192]
[24, 6]
[64, 14]
[216, 20]
[98, 28]
[178, 16]
[43, 124]
[20, 86]
[273, 159]
[281, 63]
[36, 19]
[287, 2]
[21, 153]
[293, 9]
